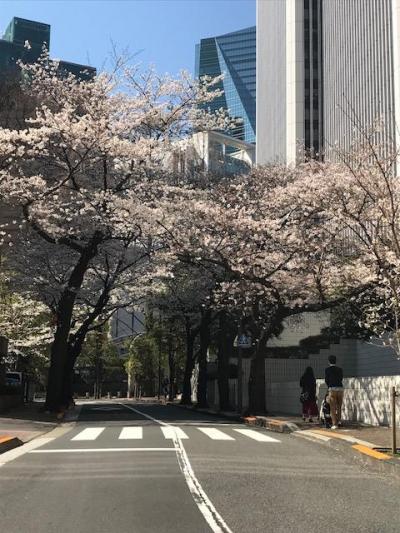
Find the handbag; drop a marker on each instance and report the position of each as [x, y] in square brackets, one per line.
[304, 396]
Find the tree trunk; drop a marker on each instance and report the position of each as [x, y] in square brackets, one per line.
[204, 344]
[55, 397]
[223, 362]
[189, 366]
[256, 385]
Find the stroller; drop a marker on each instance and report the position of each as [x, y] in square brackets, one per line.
[325, 413]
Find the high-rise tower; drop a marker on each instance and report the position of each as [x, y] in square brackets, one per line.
[234, 56]
[325, 69]
[288, 80]
[24, 40]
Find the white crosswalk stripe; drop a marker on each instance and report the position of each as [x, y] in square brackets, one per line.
[131, 433]
[89, 434]
[136, 433]
[256, 435]
[169, 433]
[216, 434]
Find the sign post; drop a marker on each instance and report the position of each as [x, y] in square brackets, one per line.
[241, 342]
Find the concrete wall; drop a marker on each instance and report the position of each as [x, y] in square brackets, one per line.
[366, 400]
[373, 359]
[370, 370]
[299, 327]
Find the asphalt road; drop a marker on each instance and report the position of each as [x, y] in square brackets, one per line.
[124, 468]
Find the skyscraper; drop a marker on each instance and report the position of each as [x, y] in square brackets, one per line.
[361, 58]
[324, 69]
[288, 79]
[25, 39]
[234, 55]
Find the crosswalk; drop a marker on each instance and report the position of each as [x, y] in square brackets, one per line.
[170, 432]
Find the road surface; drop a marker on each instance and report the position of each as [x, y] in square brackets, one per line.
[149, 468]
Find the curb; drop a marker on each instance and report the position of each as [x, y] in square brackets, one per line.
[273, 424]
[8, 442]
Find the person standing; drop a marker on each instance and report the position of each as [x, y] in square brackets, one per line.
[334, 382]
[308, 396]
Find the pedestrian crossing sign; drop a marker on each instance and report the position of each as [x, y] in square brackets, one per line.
[242, 341]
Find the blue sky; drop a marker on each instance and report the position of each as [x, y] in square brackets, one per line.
[162, 32]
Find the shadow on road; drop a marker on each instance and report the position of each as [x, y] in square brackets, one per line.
[122, 411]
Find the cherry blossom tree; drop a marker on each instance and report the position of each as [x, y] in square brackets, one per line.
[360, 194]
[85, 172]
[24, 320]
[275, 244]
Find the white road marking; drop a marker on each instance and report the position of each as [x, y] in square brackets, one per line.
[6, 457]
[101, 450]
[89, 434]
[215, 434]
[131, 433]
[215, 521]
[256, 435]
[310, 436]
[170, 432]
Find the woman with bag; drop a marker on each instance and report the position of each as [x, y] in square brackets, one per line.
[308, 397]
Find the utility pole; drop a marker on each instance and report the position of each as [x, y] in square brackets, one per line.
[159, 355]
[240, 379]
[393, 405]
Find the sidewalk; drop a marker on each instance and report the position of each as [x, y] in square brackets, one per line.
[24, 423]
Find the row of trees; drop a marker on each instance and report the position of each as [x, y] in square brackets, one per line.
[104, 222]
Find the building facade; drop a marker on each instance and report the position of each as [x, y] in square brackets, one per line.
[361, 71]
[234, 56]
[211, 151]
[289, 84]
[325, 69]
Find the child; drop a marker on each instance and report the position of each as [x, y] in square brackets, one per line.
[325, 413]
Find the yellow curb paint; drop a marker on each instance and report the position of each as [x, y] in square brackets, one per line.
[5, 439]
[370, 452]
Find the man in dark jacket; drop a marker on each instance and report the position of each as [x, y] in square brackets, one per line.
[334, 382]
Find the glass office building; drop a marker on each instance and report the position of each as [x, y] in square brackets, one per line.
[25, 39]
[234, 55]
